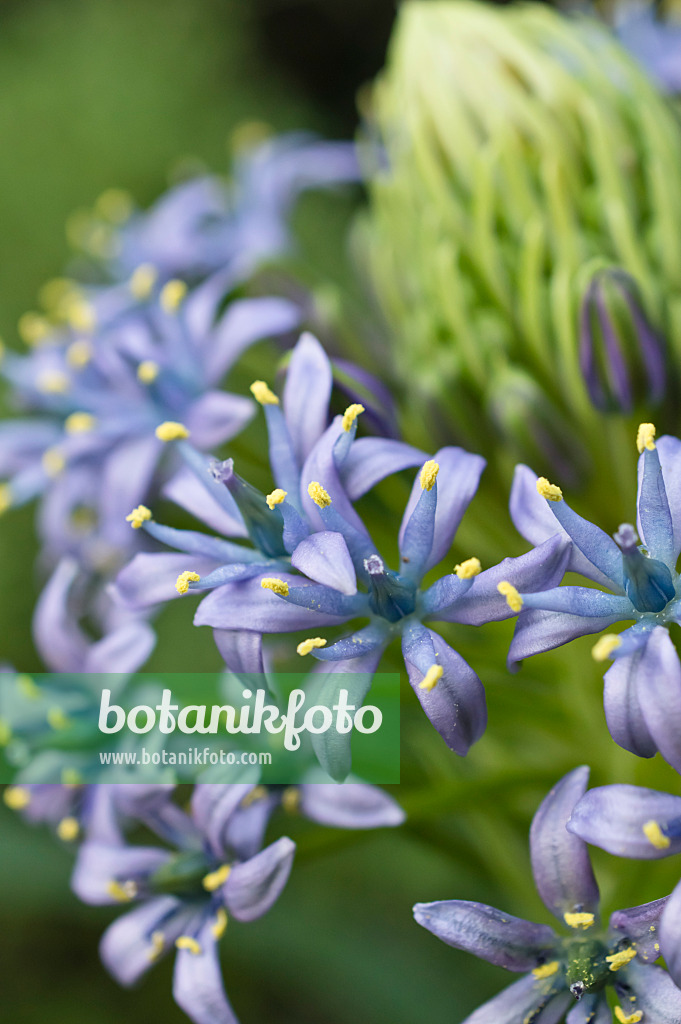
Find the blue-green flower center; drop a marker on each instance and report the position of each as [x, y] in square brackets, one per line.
[389, 595]
[647, 581]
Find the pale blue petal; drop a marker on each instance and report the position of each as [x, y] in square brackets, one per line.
[126, 944]
[150, 579]
[654, 517]
[307, 393]
[216, 416]
[247, 606]
[352, 805]
[640, 925]
[659, 690]
[372, 459]
[254, 885]
[613, 817]
[197, 982]
[324, 557]
[623, 712]
[669, 935]
[537, 631]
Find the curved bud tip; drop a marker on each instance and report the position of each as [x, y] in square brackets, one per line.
[171, 431]
[139, 515]
[513, 598]
[645, 437]
[263, 394]
[184, 579]
[429, 475]
[551, 492]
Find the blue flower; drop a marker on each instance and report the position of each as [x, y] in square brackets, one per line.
[643, 585]
[653, 40]
[563, 969]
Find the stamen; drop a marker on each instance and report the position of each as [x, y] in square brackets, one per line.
[53, 383]
[26, 685]
[580, 919]
[171, 431]
[218, 928]
[655, 835]
[68, 829]
[122, 893]
[57, 719]
[275, 497]
[5, 497]
[262, 393]
[257, 793]
[139, 515]
[148, 371]
[309, 645]
[621, 959]
[187, 942]
[53, 462]
[33, 328]
[158, 941]
[115, 205]
[321, 498]
[81, 316]
[16, 798]
[215, 879]
[79, 353]
[5, 732]
[513, 598]
[631, 1018]
[468, 569]
[645, 438]
[429, 475]
[80, 423]
[143, 280]
[290, 800]
[184, 579]
[351, 414]
[604, 646]
[546, 970]
[71, 778]
[275, 585]
[172, 295]
[551, 492]
[431, 678]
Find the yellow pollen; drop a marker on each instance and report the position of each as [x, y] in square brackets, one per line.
[431, 678]
[143, 280]
[33, 328]
[309, 645]
[53, 383]
[5, 497]
[171, 431]
[53, 462]
[79, 353]
[429, 475]
[5, 732]
[2, 350]
[275, 585]
[16, 798]
[148, 371]
[645, 437]
[54, 292]
[513, 598]
[215, 879]
[321, 498]
[57, 719]
[187, 942]
[290, 800]
[138, 516]
[71, 778]
[172, 295]
[631, 1018]
[68, 829]
[81, 316]
[263, 394]
[546, 970]
[604, 647]
[184, 579]
[580, 919]
[220, 923]
[158, 941]
[351, 414]
[79, 423]
[276, 497]
[122, 893]
[257, 793]
[621, 959]
[27, 686]
[114, 204]
[551, 492]
[655, 835]
[468, 569]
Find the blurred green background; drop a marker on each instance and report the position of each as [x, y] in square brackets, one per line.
[97, 93]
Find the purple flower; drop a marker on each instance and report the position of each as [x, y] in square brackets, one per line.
[643, 686]
[562, 969]
[185, 892]
[653, 40]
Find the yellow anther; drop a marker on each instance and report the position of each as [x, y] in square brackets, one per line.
[513, 598]
[172, 294]
[2, 350]
[139, 515]
[53, 462]
[275, 585]
[115, 205]
[468, 569]
[604, 646]
[143, 280]
[645, 437]
[429, 475]
[57, 719]
[55, 291]
[71, 778]
[546, 970]
[655, 835]
[81, 316]
[68, 829]
[53, 382]
[431, 678]
[80, 423]
[5, 732]
[215, 879]
[290, 800]
[276, 497]
[263, 394]
[33, 328]
[187, 942]
[309, 645]
[171, 431]
[121, 892]
[580, 919]
[27, 686]
[621, 959]
[351, 414]
[220, 923]
[16, 798]
[158, 941]
[184, 579]
[5, 497]
[79, 353]
[628, 1018]
[321, 498]
[148, 371]
[546, 489]
[257, 793]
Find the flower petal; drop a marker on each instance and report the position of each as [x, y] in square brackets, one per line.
[580, 601]
[307, 393]
[124, 650]
[656, 994]
[641, 926]
[254, 885]
[150, 579]
[241, 649]
[372, 459]
[654, 517]
[189, 493]
[216, 416]
[669, 451]
[352, 805]
[100, 864]
[245, 322]
[324, 557]
[247, 606]
[659, 690]
[62, 645]
[213, 806]
[538, 631]
[592, 1008]
[622, 702]
[197, 982]
[526, 999]
[669, 935]
[614, 817]
[126, 947]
